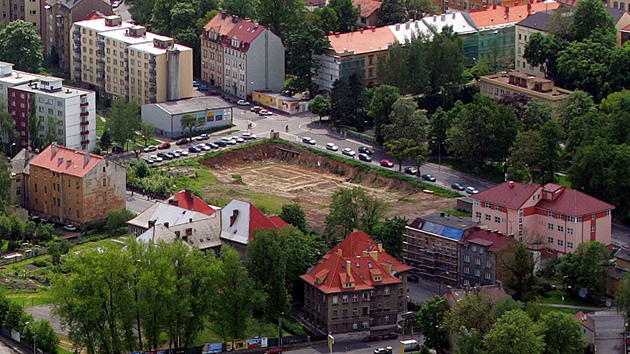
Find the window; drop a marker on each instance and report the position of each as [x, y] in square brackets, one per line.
[488, 263]
[550, 239]
[560, 228]
[355, 325]
[477, 261]
[488, 217]
[592, 228]
[550, 226]
[607, 212]
[355, 297]
[550, 214]
[386, 290]
[335, 300]
[569, 231]
[560, 243]
[344, 312]
[478, 215]
[335, 314]
[344, 299]
[477, 273]
[569, 244]
[497, 219]
[386, 304]
[467, 258]
[487, 276]
[355, 311]
[560, 217]
[497, 207]
[466, 270]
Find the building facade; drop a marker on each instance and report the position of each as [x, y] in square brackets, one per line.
[119, 59]
[535, 23]
[356, 288]
[19, 176]
[549, 217]
[241, 56]
[70, 186]
[538, 88]
[484, 254]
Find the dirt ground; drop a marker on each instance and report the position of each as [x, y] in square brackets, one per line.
[309, 179]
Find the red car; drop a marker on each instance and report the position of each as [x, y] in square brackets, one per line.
[371, 338]
[276, 350]
[386, 163]
[164, 146]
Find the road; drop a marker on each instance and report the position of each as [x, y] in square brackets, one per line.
[123, 11]
[609, 327]
[356, 347]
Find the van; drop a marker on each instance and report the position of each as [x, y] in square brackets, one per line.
[409, 345]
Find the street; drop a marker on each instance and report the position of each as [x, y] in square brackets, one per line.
[357, 347]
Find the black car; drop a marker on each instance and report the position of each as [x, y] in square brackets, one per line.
[364, 150]
[411, 170]
[164, 155]
[220, 143]
[413, 278]
[182, 141]
[390, 335]
[429, 178]
[365, 157]
[457, 186]
[213, 145]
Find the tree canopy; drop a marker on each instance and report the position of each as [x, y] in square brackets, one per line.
[21, 45]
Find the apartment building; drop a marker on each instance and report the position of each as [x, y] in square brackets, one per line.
[241, 56]
[538, 88]
[25, 10]
[57, 19]
[119, 59]
[19, 176]
[71, 186]
[535, 23]
[432, 246]
[484, 256]
[355, 289]
[549, 217]
[70, 109]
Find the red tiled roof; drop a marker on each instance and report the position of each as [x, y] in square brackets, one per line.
[494, 240]
[66, 160]
[367, 7]
[228, 27]
[188, 200]
[511, 195]
[585, 320]
[276, 220]
[331, 270]
[258, 220]
[362, 41]
[499, 16]
[575, 203]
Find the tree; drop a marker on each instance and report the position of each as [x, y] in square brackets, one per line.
[517, 101]
[431, 321]
[320, 106]
[590, 19]
[294, 215]
[123, 120]
[590, 55]
[141, 11]
[514, 332]
[34, 125]
[347, 102]
[51, 131]
[116, 219]
[352, 209]
[325, 19]
[302, 44]
[622, 296]
[505, 304]
[543, 50]
[469, 341]
[280, 16]
[398, 148]
[527, 157]
[58, 248]
[578, 104]
[535, 114]
[521, 277]
[188, 121]
[562, 333]
[43, 335]
[392, 69]
[407, 122]
[380, 107]
[303, 250]
[391, 234]
[347, 15]
[5, 182]
[446, 62]
[106, 141]
[472, 312]
[15, 318]
[21, 45]
[585, 269]
[147, 130]
[392, 12]
[240, 8]
[418, 8]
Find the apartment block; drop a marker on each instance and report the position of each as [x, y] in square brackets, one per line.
[534, 87]
[119, 59]
[484, 257]
[241, 56]
[70, 109]
[71, 186]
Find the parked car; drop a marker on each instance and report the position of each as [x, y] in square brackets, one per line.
[212, 145]
[390, 335]
[203, 137]
[203, 147]
[370, 338]
[182, 152]
[221, 143]
[255, 109]
[156, 158]
[193, 149]
[276, 350]
[264, 112]
[332, 147]
[242, 103]
[411, 170]
[70, 227]
[363, 149]
[163, 155]
[204, 88]
[457, 186]
[428, 177]
[413, 278]
[172, 155]
[348, 152]
[365, 157]
[150, 148]
[177, 153]
[387, 163]
[164, 146]
[308, 140]
[471, 190]
[382, 350]
[196, 84]
[234, 100]
[182, 141]
[117, 150]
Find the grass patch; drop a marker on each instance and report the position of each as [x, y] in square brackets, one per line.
[100, 126]
[563, 180]
[255, 328]
[230, 132]
[548, 309]
[403, 199]
[555, 297]
[457, 212]
[29, 299]
[491, 171]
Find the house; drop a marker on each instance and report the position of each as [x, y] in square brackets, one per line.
[494, 292]
[188, 200]
[20, 171]
[202, 234]
[355, 289]
[432, 246]
[119, 59]
[484, 254]
[535, 23]
[240, 56]
[211, 112]
[57, 19]
[71, 186]
[280, 102]
[368, 12]
[588, 327]
[161, 214]
[239, 220]
[538, 88]
[549, 217]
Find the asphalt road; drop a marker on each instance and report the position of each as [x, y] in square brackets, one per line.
[356, 347]
[609, 327]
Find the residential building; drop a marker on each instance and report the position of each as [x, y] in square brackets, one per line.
[239, 220]
[369, 15]
[188, 200]
[538, 88]
[355, 289]
[588, 329]
[484, 254]
[71, 186]
[19, 176]
[119, 59]
[463, 25]
[166, 116]
[432, 246]
[161, 214]
[280, 102]
[535, 23]
[201, 234]
[495, 292]
[240, 56]
[57, 19]
[549, 217]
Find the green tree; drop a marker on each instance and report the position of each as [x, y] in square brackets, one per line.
[141, 11]
[392, 12]
[380, 107]
[34, 125]
[562, 333]
[188, 121]
[58, 248]
[352, 209]
[472, 312]
[431, 321]
[105, 141]
[21, 45]
[407, 122]
[294, 215]
[505, 304]
[591, 19]
[123, 120]
[40, 233]
[391, 234]
[469, 341]
[398, 149]
[446, 62]
[147, 130]
[5, 182]
[240, 8]
[527, 157]
[622, 296]
[578, 104]
[51, 131]
[302, 44]
[521, 276]
[514, 332]
[347, 102]
[585, 269]
[347, 15]
[44, 335]
[418, 154]
[15, 318]
[535, 114]
[591, 55]
[320, 106]
[543, 50]
[326, 19]
[280, 16]
[393, 69]
[303, 250]
[418, 8]
[116, 219]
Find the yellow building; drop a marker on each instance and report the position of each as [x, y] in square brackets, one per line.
[497, 85]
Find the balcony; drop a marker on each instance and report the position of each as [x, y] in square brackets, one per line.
[84, 103]
[77, 50]
[152, 61]
[152, 72]
[100, 70]
[85, 132]
[100, 51]
[152, 89]
[77, 58]
[77, 32]
[153, 80]
[126, 59]
[85, 114]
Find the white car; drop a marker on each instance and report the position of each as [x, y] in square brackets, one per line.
[155, 158]
[70, 227]
[183, 152]
[204, 147]
[349, 152]
[115, 4]
[248, 136]
[308, 140]
[264, 112]
[471, 190]
[332, 147]
[242, 103]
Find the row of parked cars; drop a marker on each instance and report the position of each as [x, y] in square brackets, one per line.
[194, 148]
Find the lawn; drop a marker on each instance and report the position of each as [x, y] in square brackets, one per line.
[28, 299]
[555, 297]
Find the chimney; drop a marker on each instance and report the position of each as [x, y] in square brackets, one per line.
[166, 224]
[348, 268]
[494, 6]
[529, 8]
[361, 30]
[507, 10]
[516, 4]
[337, 34]
[373, 29]
[86, 157]
[151, 223]
[485, 8]
[330, 33]
[443, 18]
[53, 148]
[68, 163]
[340, 251]
[173, 201]
[454, 15]
[380, 247]
[188, 193]
[189, 219]
[511, 184]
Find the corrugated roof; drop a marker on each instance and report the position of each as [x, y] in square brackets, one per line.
[461, 22]
[61, 159]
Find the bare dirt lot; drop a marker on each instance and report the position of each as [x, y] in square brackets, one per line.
[288, 172]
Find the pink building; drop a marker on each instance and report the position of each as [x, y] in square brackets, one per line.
[548, 217]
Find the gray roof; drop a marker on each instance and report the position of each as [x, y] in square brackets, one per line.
[536, 21]
[615, 13]
[19, 162]
[162, 212]
[193, 105]
[202, 234]
[623, 254]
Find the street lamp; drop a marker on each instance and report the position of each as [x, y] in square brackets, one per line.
[12, 146]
